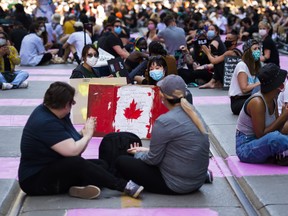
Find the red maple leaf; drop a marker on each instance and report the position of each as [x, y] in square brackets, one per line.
[131, 112]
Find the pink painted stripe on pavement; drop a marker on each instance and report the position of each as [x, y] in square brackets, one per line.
[13, 120]
[143, 212]
[240, 169]
[20, 102]
[284, 62]
[48, 78]
[49, 71]
[9, 167]
[211, 100]
[219, 168]
[92, 150]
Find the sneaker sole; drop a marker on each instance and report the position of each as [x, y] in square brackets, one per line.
[87, 192]
[140, 189]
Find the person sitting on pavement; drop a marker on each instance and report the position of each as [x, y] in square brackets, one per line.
[156, 70]
[137, 55]
[112, 43]
[178, 157]
[172, 35]
[9, 57]
[90, 57]
[51, 149]
[32, 51]
[261, 133]
[244, 80]
[217, 49]
[76, 41]
[155, 49]
[270, 53]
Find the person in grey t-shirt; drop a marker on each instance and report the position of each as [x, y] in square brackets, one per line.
[173, 36]
[178, 158]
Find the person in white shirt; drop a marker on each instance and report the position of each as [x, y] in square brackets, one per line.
[76, 42]
[32, 51]
[220, 21]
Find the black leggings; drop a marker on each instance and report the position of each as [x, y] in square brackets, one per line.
[58, 177]
[138, 171]
[46, 58]
[237, 103]
[190, 75]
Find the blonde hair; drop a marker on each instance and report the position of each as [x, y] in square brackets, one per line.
[265, 24]
[188, 108]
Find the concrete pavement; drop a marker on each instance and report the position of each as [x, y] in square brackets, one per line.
[263, 185]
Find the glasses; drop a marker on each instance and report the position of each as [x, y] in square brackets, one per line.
[73, 102]
[90, 55]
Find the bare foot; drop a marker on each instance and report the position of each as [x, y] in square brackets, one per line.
[209, 85]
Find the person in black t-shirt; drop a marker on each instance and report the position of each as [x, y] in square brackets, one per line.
[112, 42]
[51, 148]
[270, 52]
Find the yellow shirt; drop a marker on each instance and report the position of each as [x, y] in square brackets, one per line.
[13, 57]
[68, 27]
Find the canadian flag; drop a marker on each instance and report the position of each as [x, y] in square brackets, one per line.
[130, 108]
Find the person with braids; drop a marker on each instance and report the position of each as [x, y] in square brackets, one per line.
[138, 54]
[244, 80]
[178, 158]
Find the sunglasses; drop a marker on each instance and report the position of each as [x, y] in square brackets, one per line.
[90, 55]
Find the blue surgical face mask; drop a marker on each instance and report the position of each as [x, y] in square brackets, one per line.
[117, 30]
[156, 74]
[256, 54]
[210, 34]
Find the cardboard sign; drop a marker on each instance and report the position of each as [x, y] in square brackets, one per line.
[229, 66]
[103, 58]
[117, 67]
[132, 108]
[79, 110]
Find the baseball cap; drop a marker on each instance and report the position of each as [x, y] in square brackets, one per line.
[78, 24]
[173, 86]
[248, 44]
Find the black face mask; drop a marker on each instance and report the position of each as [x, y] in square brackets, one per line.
[228, 43]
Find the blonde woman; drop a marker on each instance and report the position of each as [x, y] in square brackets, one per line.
[178, 157]
[270, 52]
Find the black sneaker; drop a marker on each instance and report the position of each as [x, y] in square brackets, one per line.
[209, 177]
[86, 192]
[132, 189]
[282, 159]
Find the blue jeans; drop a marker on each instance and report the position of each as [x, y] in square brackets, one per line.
[249, 149]
[20, 77]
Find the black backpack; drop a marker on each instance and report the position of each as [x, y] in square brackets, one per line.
[115, 144]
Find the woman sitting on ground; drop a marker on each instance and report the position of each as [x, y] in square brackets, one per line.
[244, 79]
[178, 157]
[261, 132]
[90, 56]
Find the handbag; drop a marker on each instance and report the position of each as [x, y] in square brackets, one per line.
[9, 76]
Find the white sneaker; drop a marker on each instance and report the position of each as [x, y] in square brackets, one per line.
[86, 192]
[24, 84]
[7, 86]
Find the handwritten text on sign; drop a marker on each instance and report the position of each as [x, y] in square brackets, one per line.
[129, 108]
[229, 66]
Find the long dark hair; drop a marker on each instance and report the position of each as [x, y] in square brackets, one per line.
[253, 66]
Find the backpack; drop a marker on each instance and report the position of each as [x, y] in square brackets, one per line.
[115, 144]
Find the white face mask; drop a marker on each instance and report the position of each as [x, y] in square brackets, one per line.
[92, 61]
[262, 32]
[42, 28]
[3, 41]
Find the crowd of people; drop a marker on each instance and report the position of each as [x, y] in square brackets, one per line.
[176, 45]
